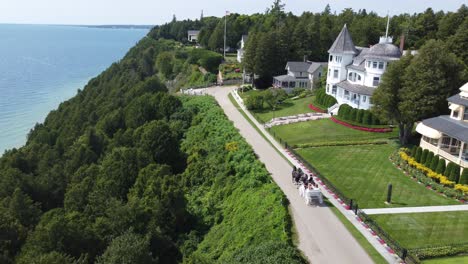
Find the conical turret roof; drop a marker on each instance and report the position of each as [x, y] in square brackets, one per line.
[343, 43]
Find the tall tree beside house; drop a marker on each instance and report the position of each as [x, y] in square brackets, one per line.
[441, 166]
[434, 75]
[458, 43]
[387, 98]
[250, 52]
[464, 177]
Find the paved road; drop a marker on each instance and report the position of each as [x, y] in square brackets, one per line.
[322, 237]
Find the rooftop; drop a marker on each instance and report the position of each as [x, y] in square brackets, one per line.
[315, 66]
[457, 99]
[451, 127]
[343, 43]
[193, 32]
[298, 66]
[356, 88]
[285, 78]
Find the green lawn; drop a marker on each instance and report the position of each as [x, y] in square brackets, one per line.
[323, 131]
[363, 173]
[450, 260]
[287, 108]
[426, 229]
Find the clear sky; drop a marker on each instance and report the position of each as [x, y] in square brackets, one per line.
[99, 12]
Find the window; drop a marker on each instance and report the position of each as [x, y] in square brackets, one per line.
[350, 76]
[368, 64]
[292, 84]
[364, 98]
[331, 58]
[455, 114]
[329, 72]
[381, 65]
[335, 74]
[328, 88]
[431, 141]
[465, 116]
[346, 95]
[374, 64]
[338, 58]
[319, 75]
[359, 77]
[334, 87]
[376, 81]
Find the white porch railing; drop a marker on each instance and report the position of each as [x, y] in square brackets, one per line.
[333, 107]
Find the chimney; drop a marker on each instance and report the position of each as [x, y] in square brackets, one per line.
[305, 58]
[402, 43]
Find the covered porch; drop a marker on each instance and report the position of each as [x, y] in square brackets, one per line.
[290, 82]
[448, 147]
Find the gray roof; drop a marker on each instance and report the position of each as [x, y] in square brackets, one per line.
[356, 88]
[451, 127]
[315, 66]
[298, 66]
[193, 32]
[384, 51]
[457, 99]
[343, 43]
[285, 78]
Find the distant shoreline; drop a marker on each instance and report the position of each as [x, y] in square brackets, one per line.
[89, 26]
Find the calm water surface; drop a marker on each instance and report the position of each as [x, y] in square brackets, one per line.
[41, 66]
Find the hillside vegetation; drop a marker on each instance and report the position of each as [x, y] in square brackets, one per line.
[124, 172]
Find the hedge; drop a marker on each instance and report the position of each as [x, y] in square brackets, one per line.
[434, 163]
[417, 157]
[464, 177]
[441, 166]
[361, 116]
[440, 251]
[323, 99]
[424, 156]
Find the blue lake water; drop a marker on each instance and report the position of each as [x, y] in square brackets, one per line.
[41, 66]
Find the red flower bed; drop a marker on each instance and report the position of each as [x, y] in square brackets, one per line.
[316, 109]
[367, 129]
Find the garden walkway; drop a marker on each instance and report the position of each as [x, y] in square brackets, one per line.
[322, 237]
[421, 209]
[286, 120]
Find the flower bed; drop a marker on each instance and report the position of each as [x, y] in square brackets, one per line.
[317, 109]
[367, 129]
[429, 178]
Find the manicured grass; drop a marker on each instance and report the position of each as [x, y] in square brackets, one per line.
[375, 256]
[364, 172]
[322, 131]
[426, 229]
[450, 260]
[288, 108]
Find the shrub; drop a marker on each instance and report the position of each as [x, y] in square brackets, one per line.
[254, 102]
[429, 158]
[417, 157]
[359, 115]
[440, 166]
[367, 119]
[455, 173]
[424, 156]
[448, 169]
[464, 177]
[434, 163]
[413, 151]
[324, 99]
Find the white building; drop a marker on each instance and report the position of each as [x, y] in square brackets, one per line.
[192, 35]
[447, 136]
[240, 52]
[300, 75]
[355, 72]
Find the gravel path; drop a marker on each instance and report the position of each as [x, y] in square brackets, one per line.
[322, 237]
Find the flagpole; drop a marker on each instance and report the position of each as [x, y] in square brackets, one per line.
[225, 27]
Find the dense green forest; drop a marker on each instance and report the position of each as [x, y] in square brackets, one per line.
[123, 173]
[277, 36]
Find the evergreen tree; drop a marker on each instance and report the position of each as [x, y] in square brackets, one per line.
[434, 163]
[455, 173]
[429, 158]
[441, 166]
[413, 151]
[464, 177]
[418, 155]
[448, 170]
[424, 156]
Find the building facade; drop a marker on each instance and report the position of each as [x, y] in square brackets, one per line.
[355, 72]
[192, 35]
[300, 75]
[240, 52]
[447, 136]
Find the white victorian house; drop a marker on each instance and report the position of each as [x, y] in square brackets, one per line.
[300, 75]
[355, 72]
[447, 136]
[240, 52]
[192, 35]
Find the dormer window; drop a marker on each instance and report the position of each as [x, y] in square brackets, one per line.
[455, 114]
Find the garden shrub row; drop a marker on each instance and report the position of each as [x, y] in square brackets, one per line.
[440, 251]
[438, 165]
[341, 143]
[429, 178]
[367, 129]
[360, 116]
[322, 99]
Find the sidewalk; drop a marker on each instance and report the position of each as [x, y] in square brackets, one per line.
[422, 209]
[322, 237]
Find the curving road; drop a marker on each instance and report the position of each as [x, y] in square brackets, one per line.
[322, 237]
